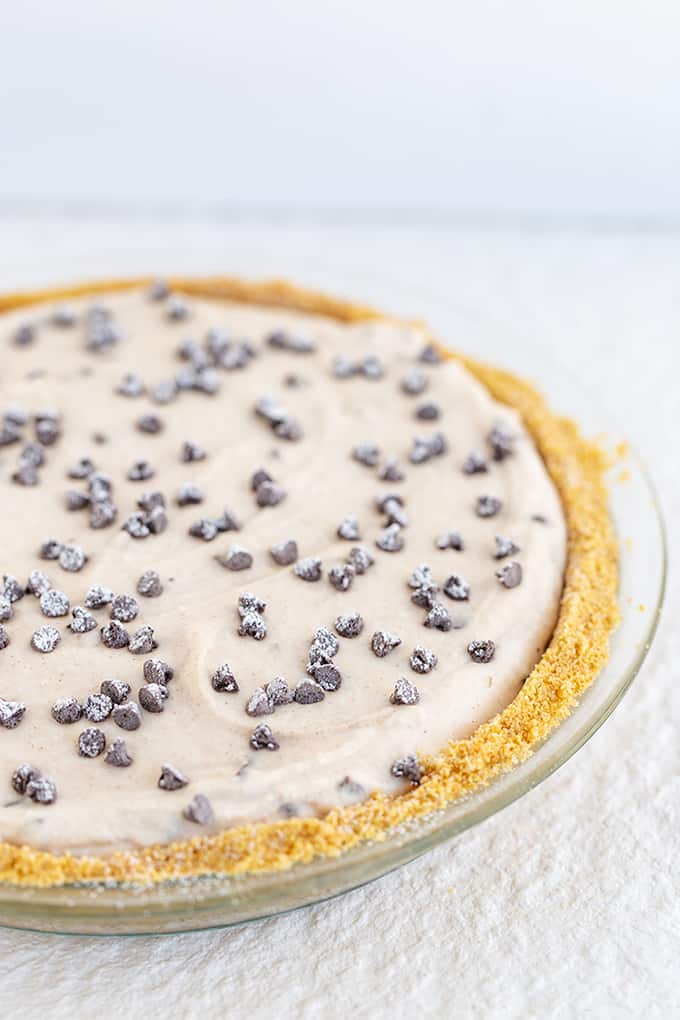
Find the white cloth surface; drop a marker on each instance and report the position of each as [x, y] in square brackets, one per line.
[565, 904]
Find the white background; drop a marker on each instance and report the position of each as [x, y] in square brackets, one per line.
[559, 108]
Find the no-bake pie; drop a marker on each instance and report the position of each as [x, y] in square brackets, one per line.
[279, 573]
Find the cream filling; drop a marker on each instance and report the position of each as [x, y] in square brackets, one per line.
[354, 731]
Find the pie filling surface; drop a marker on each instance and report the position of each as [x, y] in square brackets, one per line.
[258, 564]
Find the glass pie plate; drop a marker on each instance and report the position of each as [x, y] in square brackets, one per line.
[192, 904]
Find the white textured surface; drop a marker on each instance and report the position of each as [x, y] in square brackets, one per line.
[564, 905]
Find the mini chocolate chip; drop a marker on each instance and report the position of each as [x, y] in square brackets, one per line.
[394, 512]
[457, 588]
[117, 690]
[269, 494]
[428, 411]
[324, 646]
[236, 558]
[259, 703]
[539, 518]
[502, 443]
[371, 367]
[26, 474]
[118, 755]
[430, 355]
[390, 540]
[130, 386]
[422, 659]
[50, 549]
[204, 529]
[481, 651]
[349, 528]
[41, 790]
[97, 707]
[102, 514]
[510, 574]
[124, 608]
[228, 521]
[407, 768]
[191, 452]
[82, 621]
[81, 469]
[405, 692]
[142, 641]
[45, 639]
[262, 739]
[163, 392]
[171, 778]
[158, 672]
[258, 477]
[487, 506]
[22, 776]
[382, 643]
[152, 697]
[366, 453]
[450, 540]
[72, 558]
[76, 500]
[278, 691]
[158, 291]
[137, 527]
[9, 434]
[127, 715]
[425, 448]
[390, 471]
[6, 611]
[199, 810]
[98, 597]
[140, 471]
[36, 585]
[47, 431]
[12, 590]
[284, 553]
[67, 710]
[249, 603]
[425, 597]
[438, 618]
[149, 585]
[157, 520]
[350, 787]
[341, 576]
[360, 558]
[475, 464]
[309, 568]
[91, 742]
[504, 547]
[24, 334]
[151, 424]
[114, 635]
[414, 383]
[328, 676]
[151, 500]
[189, 494]
[308, 692]
[350, 625]
[283, 340]
[176, 309]
[223, 680]
[33, 454]
[11, 713]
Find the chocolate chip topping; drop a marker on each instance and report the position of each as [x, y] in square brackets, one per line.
[22, 776]
[50, 549]
[151, 424]
[12, 590]
[425, 448]
[97, 707]
[407, 768]
[45, 639]
[360, 558]
[510, 574]
[349, 528]
[36, 585]
[54, 603]
[152, 697]
[66, 710]
[149, 585]
[422, 659]
[189, 494]
[382, 643]
[127, 715]
[450, 540]
[457, 588]
[236, 558]
[262, 739]
[171, 778]
[502, 443]
[98, 597]
[309, 568]
[199, 810]
[82, 621]
[223, 680]
[41, 790]
[366, 453]
[504, 547]
[327, 676]
[140, 471]
[405, 692]
[349, 625]
[341, 576]
[278, 691]
[308, 692]
[124, 608]
[11, 713]
[117, 690]
[475, 464]
[268, 493]
[4, 638]
[117, 754]
[114, 635]
[284, 553]
[481, 651]
[390, 540]
[91, 742]
[6, 611]
[487, 506]
[157, 671]
[142, 641]
[438, 618]
[414, 383]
